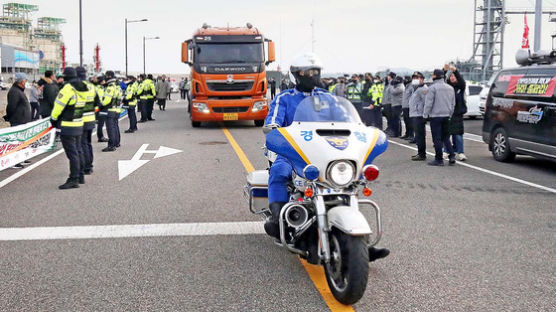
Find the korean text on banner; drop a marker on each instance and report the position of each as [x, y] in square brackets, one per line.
[25, 141]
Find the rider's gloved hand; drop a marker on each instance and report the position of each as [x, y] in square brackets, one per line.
[270, 127]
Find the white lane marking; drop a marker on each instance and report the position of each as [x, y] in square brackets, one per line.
[494, 173]
[21, 172]
[29, 168]
[131, 230]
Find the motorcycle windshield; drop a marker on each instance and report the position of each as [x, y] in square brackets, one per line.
[326, 108]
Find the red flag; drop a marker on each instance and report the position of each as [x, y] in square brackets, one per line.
[525, 40]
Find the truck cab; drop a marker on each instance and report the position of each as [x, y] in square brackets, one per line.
[228, 74]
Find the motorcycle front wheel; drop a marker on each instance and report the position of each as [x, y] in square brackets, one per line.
[348, 269]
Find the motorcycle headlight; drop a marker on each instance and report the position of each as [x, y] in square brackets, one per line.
[341, 173]
[258, 106]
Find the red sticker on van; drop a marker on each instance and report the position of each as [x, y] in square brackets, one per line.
[539, 86]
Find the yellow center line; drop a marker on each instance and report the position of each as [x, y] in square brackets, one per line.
[316, 272]
[239, 152]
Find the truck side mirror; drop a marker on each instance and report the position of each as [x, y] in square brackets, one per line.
[271, 53]
[185, 53]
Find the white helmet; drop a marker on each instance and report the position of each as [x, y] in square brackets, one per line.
[305, 61]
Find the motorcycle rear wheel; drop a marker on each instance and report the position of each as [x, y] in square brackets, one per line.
[348, 270]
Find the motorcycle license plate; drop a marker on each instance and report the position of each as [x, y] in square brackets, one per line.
[230, 116]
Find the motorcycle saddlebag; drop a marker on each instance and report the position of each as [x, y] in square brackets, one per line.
[256, 191]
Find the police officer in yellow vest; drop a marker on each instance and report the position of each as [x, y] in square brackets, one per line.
[67, 115]
[353, 93]
[130, 102]
[99, 83]
[88, 120]
[375, 110]
[147, 92]
[111, 100]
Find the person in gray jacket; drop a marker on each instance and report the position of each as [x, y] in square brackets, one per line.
[439, 106]
[162, 88]
[387, 102]
[396, 97]
[409, 88]
[416, 106]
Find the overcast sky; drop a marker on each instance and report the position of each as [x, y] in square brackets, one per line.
[351, 35]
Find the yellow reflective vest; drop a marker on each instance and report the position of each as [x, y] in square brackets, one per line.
[354, 92]
[374, 94]
[89, 109]
[112, 97]
[147, 89]
[131, 93]
[68, 111]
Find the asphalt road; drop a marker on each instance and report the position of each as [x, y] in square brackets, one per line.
[461, 239]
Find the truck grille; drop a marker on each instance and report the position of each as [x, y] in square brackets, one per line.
[231, 109]
[233, 86]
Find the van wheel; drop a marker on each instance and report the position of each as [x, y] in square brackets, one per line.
[259, 123]
[500, 146]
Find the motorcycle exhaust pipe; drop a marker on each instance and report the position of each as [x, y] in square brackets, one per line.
[296, 216]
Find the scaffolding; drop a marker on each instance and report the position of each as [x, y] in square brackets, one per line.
[15, 24]
[48, 28]
[489, 22]
[47, 38]
[488, 38]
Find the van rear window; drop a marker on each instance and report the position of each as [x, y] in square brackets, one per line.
[537, 82]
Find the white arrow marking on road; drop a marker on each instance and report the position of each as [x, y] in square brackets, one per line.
[166, 151]
[126, 167]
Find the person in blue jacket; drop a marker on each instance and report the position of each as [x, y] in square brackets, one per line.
[306, 69]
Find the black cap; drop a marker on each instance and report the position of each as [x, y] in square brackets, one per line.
[392, 74]
[438, 74]
[418, 75]
[69, 73]
[109, 74]
[81, 72]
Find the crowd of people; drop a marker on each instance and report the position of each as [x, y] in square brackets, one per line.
[76, 105]
[411, 100]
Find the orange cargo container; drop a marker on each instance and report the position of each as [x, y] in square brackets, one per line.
[228, 73]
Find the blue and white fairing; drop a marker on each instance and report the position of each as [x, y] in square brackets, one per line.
[326, 128]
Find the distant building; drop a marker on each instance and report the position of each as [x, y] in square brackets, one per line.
[26, 48]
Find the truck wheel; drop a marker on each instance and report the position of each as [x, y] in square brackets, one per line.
[348, 269]
[259, 123]
[500, 146]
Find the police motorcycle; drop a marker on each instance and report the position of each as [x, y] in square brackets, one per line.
[331, 152]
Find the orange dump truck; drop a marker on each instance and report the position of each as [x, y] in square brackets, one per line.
[228, 74]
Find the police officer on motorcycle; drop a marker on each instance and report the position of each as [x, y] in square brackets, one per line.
[306, 69]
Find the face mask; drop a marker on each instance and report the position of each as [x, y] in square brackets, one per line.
[415, 82]
[306, 83]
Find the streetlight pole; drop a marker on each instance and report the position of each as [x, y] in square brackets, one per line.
[126, 22]
[80, 35]
[144, 39]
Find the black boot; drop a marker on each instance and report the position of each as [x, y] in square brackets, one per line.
[377, 253]
[70, 183]
[81, 179]
[271, 225]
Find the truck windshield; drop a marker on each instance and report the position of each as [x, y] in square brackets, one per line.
[229, 53]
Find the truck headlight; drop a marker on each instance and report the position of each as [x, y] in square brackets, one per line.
[341, 173]
[258, 106]
[201, 107]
